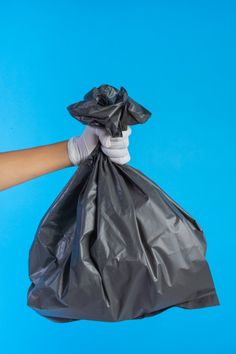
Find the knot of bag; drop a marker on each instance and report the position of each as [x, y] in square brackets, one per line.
[107, 107]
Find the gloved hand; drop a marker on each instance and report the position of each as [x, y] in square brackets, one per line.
[80, 147]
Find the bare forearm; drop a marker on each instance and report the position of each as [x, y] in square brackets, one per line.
[22, 165]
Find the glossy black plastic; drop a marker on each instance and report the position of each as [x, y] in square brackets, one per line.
[113, 245]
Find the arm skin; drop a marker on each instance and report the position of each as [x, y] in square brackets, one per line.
[22, 165]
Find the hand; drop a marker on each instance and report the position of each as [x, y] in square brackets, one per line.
[115, 148]
[80, 147]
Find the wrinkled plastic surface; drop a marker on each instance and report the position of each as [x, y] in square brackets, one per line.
[113, 245]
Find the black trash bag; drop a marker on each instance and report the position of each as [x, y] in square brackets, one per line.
[113, 245]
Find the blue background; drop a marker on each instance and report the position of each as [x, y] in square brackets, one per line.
[177, 58]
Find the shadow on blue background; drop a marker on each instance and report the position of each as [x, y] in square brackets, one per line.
[178, 60]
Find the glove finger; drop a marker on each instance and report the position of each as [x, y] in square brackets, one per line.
[125, 135]
[127, 132]
[114, 152]
[121, 160]
[119, 144]
[104, 137]
[108, 141]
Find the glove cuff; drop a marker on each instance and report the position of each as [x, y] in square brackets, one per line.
[73, 151]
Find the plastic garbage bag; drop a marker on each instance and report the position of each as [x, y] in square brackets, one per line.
[113, 245]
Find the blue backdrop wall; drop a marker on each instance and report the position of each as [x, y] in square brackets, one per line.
[177, 58]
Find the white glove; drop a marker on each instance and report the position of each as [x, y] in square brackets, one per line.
[80, 147]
